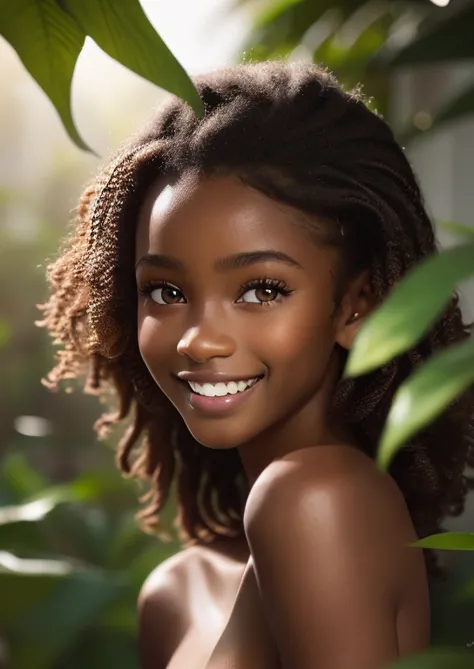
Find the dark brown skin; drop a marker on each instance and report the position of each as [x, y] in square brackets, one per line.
[324, 576]
[186, 602]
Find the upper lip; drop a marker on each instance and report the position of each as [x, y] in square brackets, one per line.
[216, 377]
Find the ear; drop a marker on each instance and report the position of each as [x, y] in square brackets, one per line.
[356, 305]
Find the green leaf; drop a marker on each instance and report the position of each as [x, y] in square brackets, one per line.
[425, 395]
[22, 527]
[83, 531]
[23, 583]
[457, 229]
[19, 479]
[58, 620]
[436, 658]
[30, 512]
[408, 313]
[128, 37]
[11, 564]
[23, 538]
[449, 541]
[48, 42]
[104, 485]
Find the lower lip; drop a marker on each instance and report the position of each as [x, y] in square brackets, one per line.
[220, 405]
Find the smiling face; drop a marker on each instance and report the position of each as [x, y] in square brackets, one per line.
[231, 287]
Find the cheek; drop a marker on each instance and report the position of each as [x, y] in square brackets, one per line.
[152, 342]
[302, 339]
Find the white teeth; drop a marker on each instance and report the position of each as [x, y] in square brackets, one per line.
[221, 389]
[208, 390]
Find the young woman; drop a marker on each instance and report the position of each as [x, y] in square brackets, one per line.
[217, 277]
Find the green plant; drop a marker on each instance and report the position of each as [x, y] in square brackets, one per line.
[365, 41]
[49, 35]
[72, 560]
[399, 324]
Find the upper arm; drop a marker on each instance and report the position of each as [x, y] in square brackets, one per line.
[325, 559]
[159, 619]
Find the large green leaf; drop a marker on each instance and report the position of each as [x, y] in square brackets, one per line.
[34, 510]
[48, 42]
[23, 583]
[436, 658]
[126, 34]
[49, 608]
[22, 527]
[414, 306]
[425, 395]
[74, 606]
[25, 538]
[448, 541]
[103, 486]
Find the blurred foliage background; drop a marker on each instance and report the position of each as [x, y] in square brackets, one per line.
[71, 556]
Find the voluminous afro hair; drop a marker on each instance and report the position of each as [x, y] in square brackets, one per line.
[290, 131]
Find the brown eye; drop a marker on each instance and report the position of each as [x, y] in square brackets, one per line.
[261, 294]
[264, 291]
[166, 295]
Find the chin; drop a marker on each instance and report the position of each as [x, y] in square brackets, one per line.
[216, 437]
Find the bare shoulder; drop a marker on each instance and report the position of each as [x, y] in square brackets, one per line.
[162, 612]
[339, 470]
[338, 487]
[329, 535]
[169, 572]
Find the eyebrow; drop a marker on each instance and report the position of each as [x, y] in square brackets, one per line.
[160, 261]
[236, 261]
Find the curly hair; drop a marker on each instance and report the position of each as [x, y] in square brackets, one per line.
[290, 131]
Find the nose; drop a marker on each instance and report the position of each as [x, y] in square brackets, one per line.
[202, 342]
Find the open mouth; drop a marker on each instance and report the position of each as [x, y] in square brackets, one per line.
[222, 389]
[220, 398]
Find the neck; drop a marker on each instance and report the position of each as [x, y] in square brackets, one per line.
[307, 426]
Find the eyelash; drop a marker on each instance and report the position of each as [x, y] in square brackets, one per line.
[279, 286]
[150, 286]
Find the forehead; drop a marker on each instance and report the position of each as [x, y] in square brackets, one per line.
[217, 216]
